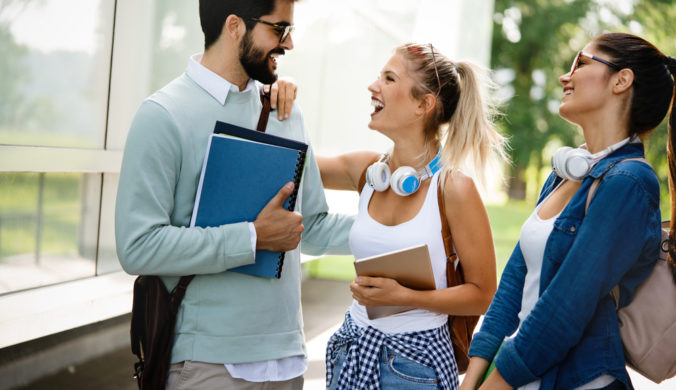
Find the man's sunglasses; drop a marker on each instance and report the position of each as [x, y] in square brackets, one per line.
[578, 58]
[283, 30]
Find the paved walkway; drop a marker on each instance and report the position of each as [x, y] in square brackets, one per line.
[324, 304]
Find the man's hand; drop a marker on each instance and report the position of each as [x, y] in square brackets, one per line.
[278, 229]
[282, 96]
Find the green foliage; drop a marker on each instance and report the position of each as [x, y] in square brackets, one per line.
[532, 37]
[60, 217]
[12, 78]
[540, 37]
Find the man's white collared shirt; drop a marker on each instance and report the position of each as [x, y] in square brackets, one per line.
[269, 370]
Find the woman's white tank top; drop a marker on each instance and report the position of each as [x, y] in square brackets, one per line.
[369, 238]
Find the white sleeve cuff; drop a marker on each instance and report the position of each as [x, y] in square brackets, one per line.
[252, 235]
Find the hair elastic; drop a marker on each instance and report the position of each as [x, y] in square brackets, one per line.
[670, 62]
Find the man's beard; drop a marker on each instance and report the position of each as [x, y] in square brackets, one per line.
[255, 63]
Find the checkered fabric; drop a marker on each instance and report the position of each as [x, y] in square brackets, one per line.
[361, 369]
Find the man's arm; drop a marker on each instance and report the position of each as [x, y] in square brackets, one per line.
[149, 240]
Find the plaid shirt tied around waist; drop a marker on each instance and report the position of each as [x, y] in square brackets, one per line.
[361, 370]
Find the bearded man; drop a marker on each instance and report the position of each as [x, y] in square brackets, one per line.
[233, 330]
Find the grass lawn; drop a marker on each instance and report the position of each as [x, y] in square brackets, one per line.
[506, 221]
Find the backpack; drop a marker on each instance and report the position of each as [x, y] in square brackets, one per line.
[460, 327]
[648, 324]
[153, 317]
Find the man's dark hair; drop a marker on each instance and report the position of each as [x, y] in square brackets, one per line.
[214, 12]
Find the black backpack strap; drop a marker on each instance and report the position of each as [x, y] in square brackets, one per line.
[178, 292]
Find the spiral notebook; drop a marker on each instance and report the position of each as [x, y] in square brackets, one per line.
[243, 169]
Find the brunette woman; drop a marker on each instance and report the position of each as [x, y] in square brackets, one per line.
[553, 322]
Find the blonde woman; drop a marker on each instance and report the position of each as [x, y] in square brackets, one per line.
[434, 112]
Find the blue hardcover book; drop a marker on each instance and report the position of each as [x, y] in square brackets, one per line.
[239, 177]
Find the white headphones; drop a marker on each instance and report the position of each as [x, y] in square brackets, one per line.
[405, 180]
[575, 164]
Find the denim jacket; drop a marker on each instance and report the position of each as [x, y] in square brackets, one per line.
[571, 336]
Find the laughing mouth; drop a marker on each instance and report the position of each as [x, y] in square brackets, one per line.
[377, 106]
[275, 54]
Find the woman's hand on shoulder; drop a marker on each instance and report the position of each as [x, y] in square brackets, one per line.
[343, 172]
[282, 95]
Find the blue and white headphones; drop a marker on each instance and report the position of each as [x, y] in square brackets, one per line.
[405, 180]
[575, 164]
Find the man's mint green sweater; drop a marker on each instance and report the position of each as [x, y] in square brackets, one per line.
[225, 317]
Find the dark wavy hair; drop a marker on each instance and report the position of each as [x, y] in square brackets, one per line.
[652, 99]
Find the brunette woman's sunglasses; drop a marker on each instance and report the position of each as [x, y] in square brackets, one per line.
[581, 54]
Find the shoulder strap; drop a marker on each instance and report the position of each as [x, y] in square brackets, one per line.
[460, 328]
[615, 292]
[178, 292]
[445, 228]
[265, 112]
[597, 181]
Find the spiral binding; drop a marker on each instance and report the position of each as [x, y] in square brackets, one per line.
[296, 179]
[292, 203]
[278, 273]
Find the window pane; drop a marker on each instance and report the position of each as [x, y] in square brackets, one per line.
[55, 66]
[177, 36]
[48, 228]
[107, 258]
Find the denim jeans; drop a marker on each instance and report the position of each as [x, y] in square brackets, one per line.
[396, 371]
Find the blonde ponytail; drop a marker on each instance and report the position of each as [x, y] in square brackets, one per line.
[470, 141]
[462, 122]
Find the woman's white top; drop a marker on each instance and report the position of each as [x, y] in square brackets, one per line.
[533, 239]
[369, 237]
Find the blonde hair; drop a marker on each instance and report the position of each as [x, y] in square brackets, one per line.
[462, 121]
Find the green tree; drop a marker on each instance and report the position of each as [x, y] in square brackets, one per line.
[535, 40]
[12, 74]
[532, 39]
